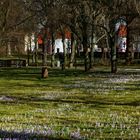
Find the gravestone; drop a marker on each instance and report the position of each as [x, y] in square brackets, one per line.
[44, 72]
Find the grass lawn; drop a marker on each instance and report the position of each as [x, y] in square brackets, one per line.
[70, 104]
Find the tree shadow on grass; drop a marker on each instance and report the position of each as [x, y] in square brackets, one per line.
[35, 73]
[27, 73]
[91, 102]
[19, 73]
[5, 135]
[32, 74]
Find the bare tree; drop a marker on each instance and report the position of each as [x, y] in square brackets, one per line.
[13, 22]
[113, 10]
[81, 19]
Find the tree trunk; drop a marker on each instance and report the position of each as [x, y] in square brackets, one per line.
[102, 55]
[53, 52]
[107, 38]
[112, 45]
[44, 59]
[93, 43]
[77, 52]
[28, 50]
[72, 51]
[64, 53]
[128, 49]
[36, 54]
[128, 55]
[44, 55]
[85, 46]
[86, 61]
[28, 55]
[113, 56]
[6, 50]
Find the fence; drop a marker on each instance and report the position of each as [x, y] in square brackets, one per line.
[12, 63]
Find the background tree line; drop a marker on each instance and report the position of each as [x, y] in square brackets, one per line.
[89, 21]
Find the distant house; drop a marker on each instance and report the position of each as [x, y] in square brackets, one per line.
[58, 42]
[121, 34]
[29, 42]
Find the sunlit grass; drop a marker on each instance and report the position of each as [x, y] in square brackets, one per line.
[69, 104]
